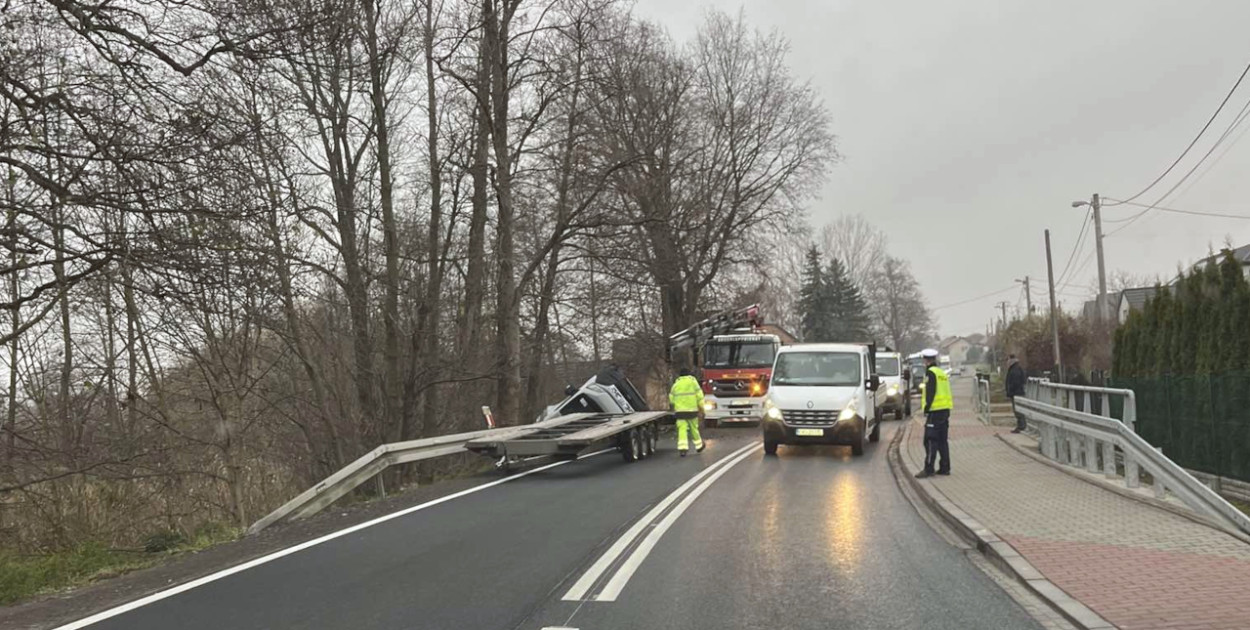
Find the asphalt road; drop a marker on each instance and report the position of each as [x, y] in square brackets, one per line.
[811, 539]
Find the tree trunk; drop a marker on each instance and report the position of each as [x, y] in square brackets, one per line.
[475, 277]
[393, 380]
[434, 275]
[508, 320]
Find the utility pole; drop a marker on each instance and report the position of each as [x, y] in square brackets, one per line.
[1095, 205]
[1003, 305]
[1054, 314]
[1028, 296]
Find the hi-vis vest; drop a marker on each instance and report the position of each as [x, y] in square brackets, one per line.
[686, 394]
[942, 397]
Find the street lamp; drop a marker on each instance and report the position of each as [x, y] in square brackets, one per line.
[1095, 204]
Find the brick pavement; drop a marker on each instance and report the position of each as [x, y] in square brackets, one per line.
[1137, 566]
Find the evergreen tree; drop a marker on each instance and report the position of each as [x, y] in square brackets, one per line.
[847, 307]
[1232, 324]
[1209, 314]
[813, 299]
[1161, 336]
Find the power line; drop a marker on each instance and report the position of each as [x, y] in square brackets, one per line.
[1241, 117]
[1180, 211]
[1079, 239]
[1196, 138]
[971, 300]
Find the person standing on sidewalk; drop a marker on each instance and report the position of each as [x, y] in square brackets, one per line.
[686, 396]
[1015, 387]
[938, 403]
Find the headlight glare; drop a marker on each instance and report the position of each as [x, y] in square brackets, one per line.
[773, 413]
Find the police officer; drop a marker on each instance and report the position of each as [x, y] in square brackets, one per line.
[937, 410]
[686, 396]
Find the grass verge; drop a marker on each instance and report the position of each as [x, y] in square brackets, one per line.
[23, 576]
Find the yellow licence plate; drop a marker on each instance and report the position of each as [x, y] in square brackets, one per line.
[809, 432]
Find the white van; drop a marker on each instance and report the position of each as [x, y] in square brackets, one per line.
[824, 393]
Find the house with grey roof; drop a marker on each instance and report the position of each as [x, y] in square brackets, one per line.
[1133, 300]
[1240, 254]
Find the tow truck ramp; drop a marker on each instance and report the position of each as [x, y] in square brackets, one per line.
[636, 435]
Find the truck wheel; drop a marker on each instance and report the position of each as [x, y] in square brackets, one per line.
[770, 446]
[651, 435]
[876, 433]
[898, 413]
[711, 423]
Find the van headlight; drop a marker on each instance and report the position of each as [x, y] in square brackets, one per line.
[847, 414]
[773, 413]
[892, 391]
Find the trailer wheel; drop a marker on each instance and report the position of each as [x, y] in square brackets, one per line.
[649, 440]
[630, 446]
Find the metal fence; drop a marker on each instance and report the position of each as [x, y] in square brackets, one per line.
[1202, 422]
[1117, 403]
[1098, 443]
[981, 398]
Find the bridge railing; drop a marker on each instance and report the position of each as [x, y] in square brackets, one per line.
[981, 398]
[1098, 443]
[1083, 398]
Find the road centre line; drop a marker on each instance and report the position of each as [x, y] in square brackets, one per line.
[591, 576]
[182, 588]
[631, 564]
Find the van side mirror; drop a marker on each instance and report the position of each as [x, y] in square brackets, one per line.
[874, 382]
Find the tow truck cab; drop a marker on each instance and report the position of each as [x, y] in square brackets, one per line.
[824, 393]
[737, 369]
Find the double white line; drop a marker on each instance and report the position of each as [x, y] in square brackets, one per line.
[626, 570]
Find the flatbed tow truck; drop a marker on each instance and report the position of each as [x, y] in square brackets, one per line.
[605, 412]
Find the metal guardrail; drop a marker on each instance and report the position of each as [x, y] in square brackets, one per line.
[981, 400]
[1066, 396]
[332, 488]
[1078, 438]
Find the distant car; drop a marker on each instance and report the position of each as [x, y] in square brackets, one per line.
[890, 369]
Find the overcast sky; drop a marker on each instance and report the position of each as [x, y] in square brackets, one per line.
[970, 126]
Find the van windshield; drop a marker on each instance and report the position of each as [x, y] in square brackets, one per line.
[817, 369]
[887, 366]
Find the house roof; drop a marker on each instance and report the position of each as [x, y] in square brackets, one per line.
[950, 341]
[1137, 297]
[1240, 254]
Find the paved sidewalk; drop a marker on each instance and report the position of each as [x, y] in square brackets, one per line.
[1134, 564]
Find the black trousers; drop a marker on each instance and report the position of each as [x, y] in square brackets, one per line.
[936, 428]
[1020, 421]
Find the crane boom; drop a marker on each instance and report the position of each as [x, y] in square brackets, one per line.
[721, 323]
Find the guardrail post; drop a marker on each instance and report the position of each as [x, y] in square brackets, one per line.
[1160, 488]
[1108, 459]
[1132, 475]
[1091, 452]
[1130, 411]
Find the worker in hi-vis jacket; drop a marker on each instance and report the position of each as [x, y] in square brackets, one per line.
[686, 396]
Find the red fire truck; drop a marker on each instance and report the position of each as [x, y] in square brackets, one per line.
[736, 358]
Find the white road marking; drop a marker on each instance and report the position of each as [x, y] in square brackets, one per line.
[631, 564]
[182, 588]
[592, 575]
